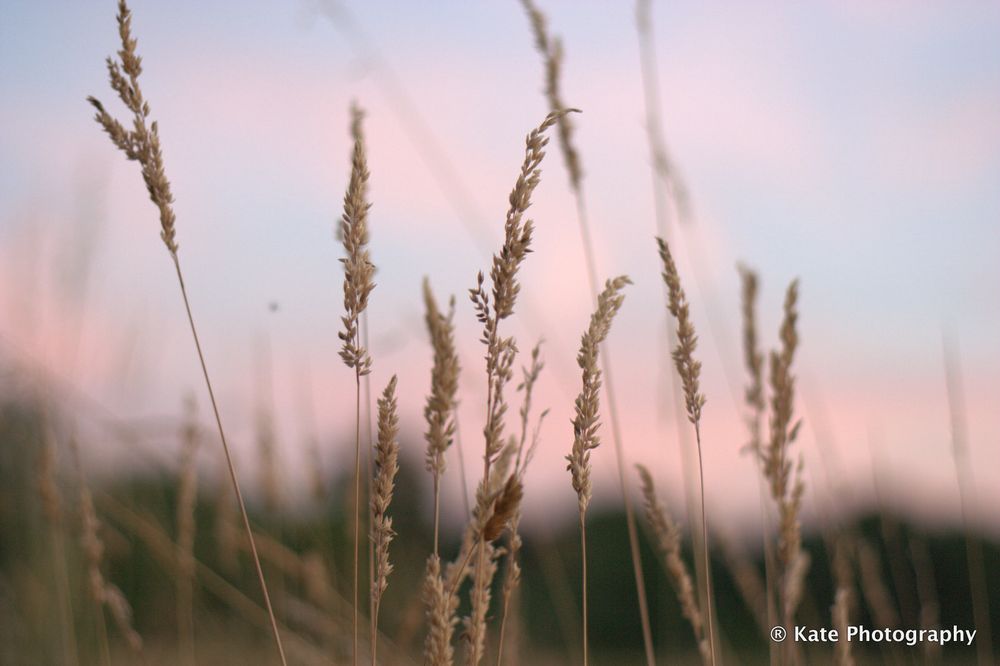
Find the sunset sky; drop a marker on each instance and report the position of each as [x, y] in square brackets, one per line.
[855, 146]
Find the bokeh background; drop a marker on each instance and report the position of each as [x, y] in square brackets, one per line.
[855, 146]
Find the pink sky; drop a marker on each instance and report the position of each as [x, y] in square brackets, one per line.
[879, 203]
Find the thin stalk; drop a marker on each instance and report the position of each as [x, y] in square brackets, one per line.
[437, 508]
[480, 564]
[966, 481]
[357, 504]
[633, 535]
[102, 633]
[583, 553]
[704, 538]
[503, 628]
[229, 463]
[373, 631]
[461, 467]
[481, 547]
[368, 456]
[62, 586]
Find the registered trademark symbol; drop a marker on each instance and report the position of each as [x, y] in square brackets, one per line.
[778, 634]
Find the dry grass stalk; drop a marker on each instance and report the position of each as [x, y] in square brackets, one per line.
[668, 539]
[663, 166]
[187, 499]
[386, 467]
[750, 584]
[930, 607]
[873, 586]
[500, 351]
[587, 420]
[689, 371]
[966, 486]
[841, 619]
[441, 608]
[786, 488]
[316, 580]
[225, 529]
[104, 593]
[551, 50]
[51, 501]
[529, 375]
[441, 403]
[512, 575]
[142, 144]
[163, 549]
[753, 358]
[267, 455]
[756, 403]
[358, 274]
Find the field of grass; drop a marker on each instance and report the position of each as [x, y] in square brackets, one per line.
[178, 561]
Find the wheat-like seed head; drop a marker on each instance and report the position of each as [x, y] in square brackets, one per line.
[440, 407]
[505, 508]
[142, 142]
[358, 268]
[529, 375]
[786, 490]
[687, 367]
[474, 624]
[668, 539]
[517, 231]
[551, 51]
[777, 466]
[440, 613]
[386, 467]
[587, 420]
[753, 359]
[500, 351]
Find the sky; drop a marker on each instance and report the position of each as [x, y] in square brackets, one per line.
[854, 146]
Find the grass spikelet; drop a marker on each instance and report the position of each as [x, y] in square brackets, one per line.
[505, 508]
[668, 539]
[441, 606]
[358, 268]
[551, 50]
[785, 479]
[500, 353]
[358, 274]
[587, 420]
[142, 144]
[386, 467]
[512, 575]
[753, 359]
[439, 411]
[689, 370]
